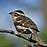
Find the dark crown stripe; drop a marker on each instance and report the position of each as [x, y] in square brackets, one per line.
[20, 11]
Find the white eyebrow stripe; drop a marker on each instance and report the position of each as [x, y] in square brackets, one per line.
[19, 13]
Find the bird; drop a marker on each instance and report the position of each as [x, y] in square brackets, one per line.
[22, 23]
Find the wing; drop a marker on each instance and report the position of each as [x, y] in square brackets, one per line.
[31, 24]
[25, 22]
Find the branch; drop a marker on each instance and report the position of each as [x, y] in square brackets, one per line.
[34, 41]
[13, 32]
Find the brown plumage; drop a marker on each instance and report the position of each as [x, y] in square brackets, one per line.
[22, 23]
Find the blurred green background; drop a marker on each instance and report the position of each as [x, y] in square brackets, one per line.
[34, 9]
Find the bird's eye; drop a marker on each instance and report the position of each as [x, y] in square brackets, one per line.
[15, 13]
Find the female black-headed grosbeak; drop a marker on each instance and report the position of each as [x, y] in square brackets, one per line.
[22, 23]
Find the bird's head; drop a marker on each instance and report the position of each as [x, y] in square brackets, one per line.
[16, 13]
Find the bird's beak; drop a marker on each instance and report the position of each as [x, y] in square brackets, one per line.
[10, 13]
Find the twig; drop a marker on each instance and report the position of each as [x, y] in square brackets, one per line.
[34, 41]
